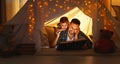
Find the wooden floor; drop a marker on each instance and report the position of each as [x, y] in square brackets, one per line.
[89, 52]
[52, 56]
[61, 60]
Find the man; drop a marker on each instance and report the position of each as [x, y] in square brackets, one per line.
[73, 33]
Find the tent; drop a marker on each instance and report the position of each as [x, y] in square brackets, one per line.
[30, 19]
[86, 21]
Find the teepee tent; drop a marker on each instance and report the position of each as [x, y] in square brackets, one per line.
[30, 20]
[86, 21]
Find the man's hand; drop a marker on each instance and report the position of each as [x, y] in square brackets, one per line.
[76, 33]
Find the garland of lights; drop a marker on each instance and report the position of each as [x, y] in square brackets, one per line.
[31, 18]
[43, 4]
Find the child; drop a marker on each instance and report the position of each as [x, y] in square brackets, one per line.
[61, 26]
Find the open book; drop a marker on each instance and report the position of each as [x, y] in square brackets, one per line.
[79, 44]
[74, 41]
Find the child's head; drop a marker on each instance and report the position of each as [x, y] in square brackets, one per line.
[64, 22]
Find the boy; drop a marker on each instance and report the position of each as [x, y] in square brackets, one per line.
[62, 25]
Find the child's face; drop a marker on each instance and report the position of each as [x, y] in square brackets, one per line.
[64, 25]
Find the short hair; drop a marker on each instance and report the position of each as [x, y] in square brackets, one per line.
[64, 19]
[75, 21]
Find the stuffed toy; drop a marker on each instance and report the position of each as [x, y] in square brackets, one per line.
[104, 44]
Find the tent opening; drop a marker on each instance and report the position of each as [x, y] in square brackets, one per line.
[86, 21]
[85, 26]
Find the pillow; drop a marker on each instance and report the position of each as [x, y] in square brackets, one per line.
[44, 38]
[50, 35]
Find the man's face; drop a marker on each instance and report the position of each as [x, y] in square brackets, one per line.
[73, 28]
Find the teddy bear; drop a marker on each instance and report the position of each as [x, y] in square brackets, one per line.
[105, 44]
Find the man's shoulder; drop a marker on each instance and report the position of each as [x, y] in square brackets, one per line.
[82, 33]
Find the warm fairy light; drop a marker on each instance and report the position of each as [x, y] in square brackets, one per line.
[46, 3]
[30, 30]
[105, 27]
[46, 15]
[54, 10]
[33, 19]
[89, 6]
[40, 6]
[64, 2]
[95, 4]
[98, 19]
[31, 10]
[86, 4]
[61, 6]
[31, 5]
[39, 2]
[78, 2]
[33, 0]
[99, 5]
[30, 17]
[68, 8]
[30, 25]
[88, 11]
[89, 2]
[101, 15]
[85, 1]
[56, 5]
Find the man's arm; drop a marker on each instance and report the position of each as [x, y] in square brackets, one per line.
[76, 34]
[88, 41]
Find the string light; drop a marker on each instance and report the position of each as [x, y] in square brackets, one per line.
[64, 2]
[54, 10]
[56, 5]
[61, 6]
[46, 3]
[31, 18]
[33, 0]
[40, 6]
[47, 8]
[57, 1]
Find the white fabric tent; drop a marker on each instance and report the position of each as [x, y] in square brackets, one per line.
[86, 21]
[30, 19]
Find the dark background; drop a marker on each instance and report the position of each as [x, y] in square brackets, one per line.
[2, 12]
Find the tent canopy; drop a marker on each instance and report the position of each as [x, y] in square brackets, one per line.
[86, 21]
